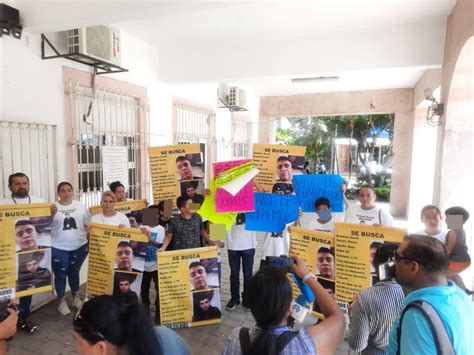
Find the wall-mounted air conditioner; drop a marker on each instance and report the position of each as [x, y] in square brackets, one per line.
[236, 97]
[99, 42]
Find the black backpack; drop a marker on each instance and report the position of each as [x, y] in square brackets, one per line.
[281, 341]
[440, 335]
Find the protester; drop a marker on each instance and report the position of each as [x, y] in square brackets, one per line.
[8, 327]
[270, 297]
[326, 219]
[367, 212]
[459, 259]
[202, 308]
[186, 230]
[19, 185]
[69, 245]
[30, 274]
[155, 235]
[325, 263]
[241, 245]
[374, 246]
[119, 191]
[421, 265]
[431, 218]
[109, 215]
[105, 326]
[164, 220]
[374, 309]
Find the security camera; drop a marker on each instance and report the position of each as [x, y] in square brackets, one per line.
[429, 95]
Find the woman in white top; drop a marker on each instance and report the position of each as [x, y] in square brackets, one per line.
[69, 244]
[109, 215]
[367, 212]
[431, 218]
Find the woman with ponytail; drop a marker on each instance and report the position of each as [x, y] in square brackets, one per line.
[104, 326]
[270, 296]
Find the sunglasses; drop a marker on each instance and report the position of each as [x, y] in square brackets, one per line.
[397, 257]
[78, 320]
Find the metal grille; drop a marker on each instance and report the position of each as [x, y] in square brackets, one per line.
[102, 119]
[29, 148]
[196, 125]
[241, 140]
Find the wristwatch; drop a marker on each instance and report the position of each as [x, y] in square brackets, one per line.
[307, 277]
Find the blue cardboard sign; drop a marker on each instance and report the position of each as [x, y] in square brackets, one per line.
[309, 188]
[272, 212]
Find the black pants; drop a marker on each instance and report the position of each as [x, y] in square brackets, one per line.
[145, 291]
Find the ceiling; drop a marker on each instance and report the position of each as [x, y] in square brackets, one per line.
[197, 40]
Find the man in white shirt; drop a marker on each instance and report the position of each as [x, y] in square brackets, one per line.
[19, 185]
[367, 212]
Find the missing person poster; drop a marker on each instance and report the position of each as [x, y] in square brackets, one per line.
[25, 250]
[316, 249]
[177, 170]
[356, 245]
[277, 164]
[189, 287]
[124, 207]
[116, 262]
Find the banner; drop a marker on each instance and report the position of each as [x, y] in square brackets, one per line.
[274, 174]
[239, 173]
[309, 188]
[189, 287]
[116, 261]
[208, 210]
[114, 165]
[356, 245]
[272, 212]
[316, 250]
[124, 207]
[177, 170]
[25, 250]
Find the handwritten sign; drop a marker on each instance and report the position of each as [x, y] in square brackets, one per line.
[272, 212]
[309, 188]
[208, 210]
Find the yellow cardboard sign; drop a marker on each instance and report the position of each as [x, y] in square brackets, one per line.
[189, 287]
[353, 255]
[265, 158]
[169, 177]
[124, 207]
[116, 255]
[208, 210]
[316, 250]
[25, 250]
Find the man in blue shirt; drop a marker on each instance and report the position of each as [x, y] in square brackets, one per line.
[421, 265]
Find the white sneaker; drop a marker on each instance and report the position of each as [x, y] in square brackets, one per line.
[63, 308]
[77, 302]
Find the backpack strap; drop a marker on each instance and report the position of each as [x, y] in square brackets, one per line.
[284, 339]
[244, 337]
[438, 330]
[380, 216]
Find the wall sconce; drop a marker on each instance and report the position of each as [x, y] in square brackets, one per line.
[435, 110]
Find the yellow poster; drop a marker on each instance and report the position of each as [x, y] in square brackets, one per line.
[277, 164]
[177, 170]
[116, 262]
[124, 207]
[356, 245]
[25, 250]
[189, 287]
[316, 250]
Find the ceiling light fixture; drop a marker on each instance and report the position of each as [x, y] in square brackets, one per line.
[314, 79]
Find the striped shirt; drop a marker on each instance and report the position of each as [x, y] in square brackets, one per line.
[302, 344]
[373, 314]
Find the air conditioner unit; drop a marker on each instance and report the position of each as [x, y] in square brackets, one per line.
[99, 42]
[236, 97]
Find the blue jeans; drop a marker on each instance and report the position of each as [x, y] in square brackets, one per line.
[67, 264]
[247, 266]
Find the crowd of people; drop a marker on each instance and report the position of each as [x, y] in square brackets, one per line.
[420, 286]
